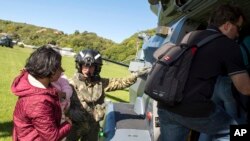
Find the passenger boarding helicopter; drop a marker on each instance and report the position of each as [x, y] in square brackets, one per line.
[138, 120]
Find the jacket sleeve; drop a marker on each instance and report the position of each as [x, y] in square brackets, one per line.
[113, 84]
[44, 121]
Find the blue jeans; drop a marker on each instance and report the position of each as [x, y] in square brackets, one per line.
[223, 97]
[175, 127]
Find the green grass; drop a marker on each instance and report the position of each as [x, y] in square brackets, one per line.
[13, 60]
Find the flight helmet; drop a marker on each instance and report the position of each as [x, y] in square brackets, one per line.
[89, 57]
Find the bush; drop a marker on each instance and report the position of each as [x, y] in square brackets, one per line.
[21, 45]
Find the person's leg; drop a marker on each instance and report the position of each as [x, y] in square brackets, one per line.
[224, 93]
[170, 129]
[232, 106]
[205, 137]
[223, 96]
[217, 124]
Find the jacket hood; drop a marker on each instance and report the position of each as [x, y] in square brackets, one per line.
[21, 87]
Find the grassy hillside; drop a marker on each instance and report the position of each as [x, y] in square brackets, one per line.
[13, 60]
[36, 35]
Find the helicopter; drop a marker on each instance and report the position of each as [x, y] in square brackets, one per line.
[138, 120]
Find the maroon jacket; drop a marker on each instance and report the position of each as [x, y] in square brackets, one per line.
[37, 114]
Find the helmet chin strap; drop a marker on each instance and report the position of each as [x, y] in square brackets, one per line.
[88, 74]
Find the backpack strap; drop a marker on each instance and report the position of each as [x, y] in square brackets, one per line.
[202, 42]
[186, 37]
[208, 39]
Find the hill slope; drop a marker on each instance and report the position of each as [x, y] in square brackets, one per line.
[35, 35]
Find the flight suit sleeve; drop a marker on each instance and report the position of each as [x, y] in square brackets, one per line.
[113, 84]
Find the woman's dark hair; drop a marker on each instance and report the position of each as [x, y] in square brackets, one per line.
[225, 13]
[43, 62]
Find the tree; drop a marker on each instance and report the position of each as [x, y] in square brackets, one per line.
[76, 32]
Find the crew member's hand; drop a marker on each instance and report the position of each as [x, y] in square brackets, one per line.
[142, 71]
[99, 112]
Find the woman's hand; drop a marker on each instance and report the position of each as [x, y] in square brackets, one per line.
[68, 120]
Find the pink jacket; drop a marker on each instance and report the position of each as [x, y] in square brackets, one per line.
[62, 84]
[37, 113]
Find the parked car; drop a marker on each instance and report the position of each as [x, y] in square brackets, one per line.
[6, 41]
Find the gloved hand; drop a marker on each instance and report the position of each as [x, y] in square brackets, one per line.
[142, 71]
[99, 112]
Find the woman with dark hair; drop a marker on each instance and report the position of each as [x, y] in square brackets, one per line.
[37, 113]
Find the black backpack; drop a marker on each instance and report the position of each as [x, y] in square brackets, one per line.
[168, 76]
